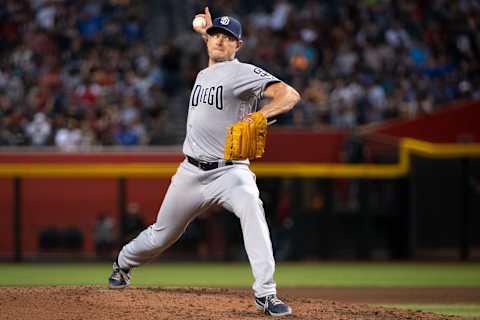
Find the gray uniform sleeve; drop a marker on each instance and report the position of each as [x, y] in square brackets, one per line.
[250, 81]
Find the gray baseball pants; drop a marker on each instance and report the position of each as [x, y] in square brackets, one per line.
[192, 191]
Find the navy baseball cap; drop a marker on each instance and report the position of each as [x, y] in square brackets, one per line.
[229, 24]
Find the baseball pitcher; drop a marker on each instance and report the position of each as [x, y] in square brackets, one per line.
[224, 132]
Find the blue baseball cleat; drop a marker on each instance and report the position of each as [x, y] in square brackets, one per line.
[119, 278]
[273, 306]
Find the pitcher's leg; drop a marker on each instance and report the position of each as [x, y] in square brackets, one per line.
[179, 207]
[243, 199]
[248, 207]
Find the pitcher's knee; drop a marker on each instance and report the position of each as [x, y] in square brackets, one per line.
[245, 193]
[245, 197]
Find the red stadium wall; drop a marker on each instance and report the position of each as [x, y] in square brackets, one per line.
[455, 123]
[77, 201]
[6, 216]
[288, 145]
[63, 202]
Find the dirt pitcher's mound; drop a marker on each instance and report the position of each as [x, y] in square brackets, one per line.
[147, 303]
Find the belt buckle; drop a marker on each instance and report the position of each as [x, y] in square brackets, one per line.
[204, 165]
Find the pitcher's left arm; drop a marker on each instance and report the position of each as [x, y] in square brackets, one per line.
[283, 99]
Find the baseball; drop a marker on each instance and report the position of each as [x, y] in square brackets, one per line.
[199, 23]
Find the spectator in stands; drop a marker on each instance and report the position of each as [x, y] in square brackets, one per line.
[39, 130]
[92, 61]
[69, 137]
[127, 136]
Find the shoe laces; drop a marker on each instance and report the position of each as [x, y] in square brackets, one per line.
[125, 275]
[120, 274]
[273, 299]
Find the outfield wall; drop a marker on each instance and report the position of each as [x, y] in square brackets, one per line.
[65, 202]
[51, 192]
[71, 201]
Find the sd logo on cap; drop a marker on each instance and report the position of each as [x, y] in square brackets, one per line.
[229, 24]
[224, 20]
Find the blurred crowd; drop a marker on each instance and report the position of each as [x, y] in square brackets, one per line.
[77, 74]
[359, 62]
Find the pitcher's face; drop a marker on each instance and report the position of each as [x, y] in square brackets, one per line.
[222, 46]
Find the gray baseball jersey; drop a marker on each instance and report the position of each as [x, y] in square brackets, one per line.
[223, 94]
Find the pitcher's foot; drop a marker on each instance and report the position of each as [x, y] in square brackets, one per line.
[273, 306]
[119, 278]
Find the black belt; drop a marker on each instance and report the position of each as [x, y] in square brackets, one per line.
[206, 166]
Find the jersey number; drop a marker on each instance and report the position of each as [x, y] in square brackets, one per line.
[261, 73]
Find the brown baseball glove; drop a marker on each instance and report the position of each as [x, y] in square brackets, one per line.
[246, 139]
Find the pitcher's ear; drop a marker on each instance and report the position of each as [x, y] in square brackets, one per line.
[239, 44]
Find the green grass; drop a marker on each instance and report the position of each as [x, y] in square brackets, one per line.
[463, 310]
[287, 275]
[239, 275]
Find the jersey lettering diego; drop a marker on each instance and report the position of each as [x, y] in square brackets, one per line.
[211, 96]
[223, 94]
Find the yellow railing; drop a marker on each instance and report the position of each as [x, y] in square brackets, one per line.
[407, 148]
